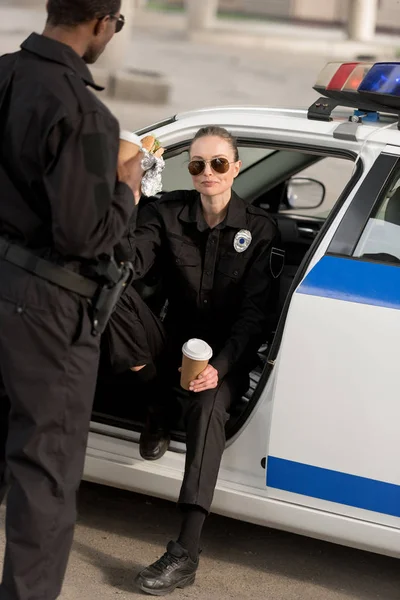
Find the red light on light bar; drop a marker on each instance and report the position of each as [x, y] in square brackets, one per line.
[341, 76]
[357, 77]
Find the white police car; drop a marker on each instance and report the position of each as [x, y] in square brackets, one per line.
[314, 446]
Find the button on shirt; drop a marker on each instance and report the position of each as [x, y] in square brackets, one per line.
[215, 292]
[58, 155]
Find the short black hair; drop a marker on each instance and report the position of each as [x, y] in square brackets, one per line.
[74, 12]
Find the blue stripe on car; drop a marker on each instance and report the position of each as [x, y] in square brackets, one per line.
[334, 486]
[352, 280]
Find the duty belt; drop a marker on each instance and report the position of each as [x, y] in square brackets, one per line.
[44, 269]
[103, 298]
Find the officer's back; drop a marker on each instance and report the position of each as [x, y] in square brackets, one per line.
[63, 209]
[58, 148]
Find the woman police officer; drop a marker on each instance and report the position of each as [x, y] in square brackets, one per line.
[214, 251]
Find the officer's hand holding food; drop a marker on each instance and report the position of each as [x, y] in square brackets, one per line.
[131, 173]
[207, 380]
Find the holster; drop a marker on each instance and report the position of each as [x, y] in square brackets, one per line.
[107, 297]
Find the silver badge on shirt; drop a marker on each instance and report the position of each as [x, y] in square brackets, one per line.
[242, 240]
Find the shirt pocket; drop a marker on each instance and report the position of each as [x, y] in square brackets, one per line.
[232, 265]
[185, 254]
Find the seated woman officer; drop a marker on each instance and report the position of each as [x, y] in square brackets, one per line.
[215, 257]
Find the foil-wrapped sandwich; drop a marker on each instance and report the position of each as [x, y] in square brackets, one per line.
[153, 165]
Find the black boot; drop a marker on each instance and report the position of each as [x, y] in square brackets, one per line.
[155, 438]
[173, 570]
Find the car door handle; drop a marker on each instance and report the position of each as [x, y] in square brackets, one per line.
[307, 232]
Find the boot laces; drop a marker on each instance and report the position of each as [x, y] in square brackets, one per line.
[166, 562]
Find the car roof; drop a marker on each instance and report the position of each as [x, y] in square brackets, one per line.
[385, 130]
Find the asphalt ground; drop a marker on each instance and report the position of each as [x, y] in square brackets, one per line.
[118, 533]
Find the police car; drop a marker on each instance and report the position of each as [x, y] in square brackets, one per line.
[314, 447]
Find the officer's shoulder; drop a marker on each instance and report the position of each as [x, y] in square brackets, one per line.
[176, 199]
[7, 64]
[8, 60]
[70, 91]
[87, 101]
[256, 212]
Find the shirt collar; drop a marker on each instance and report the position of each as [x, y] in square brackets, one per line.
[236, 216]
[60, 53]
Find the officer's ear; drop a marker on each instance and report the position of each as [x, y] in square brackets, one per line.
[236, 168]
[101, 26]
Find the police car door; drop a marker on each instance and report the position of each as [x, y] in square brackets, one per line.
[334, 440]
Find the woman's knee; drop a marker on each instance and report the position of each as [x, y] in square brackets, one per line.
[206, 405]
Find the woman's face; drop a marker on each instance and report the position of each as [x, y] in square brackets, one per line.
[209, 182]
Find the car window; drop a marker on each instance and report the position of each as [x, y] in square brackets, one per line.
[263, 169]
[334, 174]
[177, 177]
[380, 240]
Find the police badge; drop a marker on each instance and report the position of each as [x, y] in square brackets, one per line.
[242, 240]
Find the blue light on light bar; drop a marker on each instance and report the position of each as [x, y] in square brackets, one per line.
[383, 78]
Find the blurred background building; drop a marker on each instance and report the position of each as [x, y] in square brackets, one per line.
[329, 12]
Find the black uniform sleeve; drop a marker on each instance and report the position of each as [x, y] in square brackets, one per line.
[252, 317]
[144, 238]
[90, 208]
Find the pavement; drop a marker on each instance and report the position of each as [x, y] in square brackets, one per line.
[118, 532]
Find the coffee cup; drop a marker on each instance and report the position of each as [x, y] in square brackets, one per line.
[196, 356]
[130, 145]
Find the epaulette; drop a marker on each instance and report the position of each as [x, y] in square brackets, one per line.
[256, 210]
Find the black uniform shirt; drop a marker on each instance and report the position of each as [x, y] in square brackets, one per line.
[58, 155]
[214, 292]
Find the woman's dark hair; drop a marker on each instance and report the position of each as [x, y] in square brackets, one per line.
[215, 131]
[74, 12]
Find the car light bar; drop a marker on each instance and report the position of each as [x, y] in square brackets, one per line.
[336, 77]
[369, 87]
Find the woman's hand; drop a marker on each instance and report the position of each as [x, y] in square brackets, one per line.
[207, 380]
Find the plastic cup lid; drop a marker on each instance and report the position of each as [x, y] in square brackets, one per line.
[128, 136]
[197, 350]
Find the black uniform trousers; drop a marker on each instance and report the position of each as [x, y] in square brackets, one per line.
[134, 337]
[48, 364]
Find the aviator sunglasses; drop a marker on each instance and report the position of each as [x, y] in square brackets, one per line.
[219, 165]
[120, 22]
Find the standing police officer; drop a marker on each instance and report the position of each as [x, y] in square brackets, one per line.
[62, 212]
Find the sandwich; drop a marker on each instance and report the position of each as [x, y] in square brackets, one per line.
[152, 145]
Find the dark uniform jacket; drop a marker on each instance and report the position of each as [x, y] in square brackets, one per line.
[58, 155]
[214, 292]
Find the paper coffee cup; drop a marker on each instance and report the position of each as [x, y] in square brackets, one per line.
[130, 144]
[196, 356]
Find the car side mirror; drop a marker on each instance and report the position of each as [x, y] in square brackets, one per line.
[305, 193]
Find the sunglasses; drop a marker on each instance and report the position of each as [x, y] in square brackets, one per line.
[120, 22]
[219, 165]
